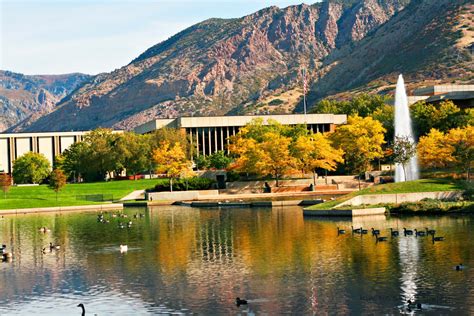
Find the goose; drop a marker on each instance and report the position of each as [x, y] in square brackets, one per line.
[394, 233]
[430, 231]
[407, 231]
[363, 231]
[375, 232]
[54, 247]
[44, 230]
[437, 238]
[381, 238]
[340, 231]
[142, 215]
[420, 233]
[459, 267]
[123, 248]
[239, 302]
[120, 225]
[356, 231]
[83, 309]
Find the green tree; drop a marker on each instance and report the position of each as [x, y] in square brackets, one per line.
[75, 162]
[403, 150]
[219, 160]
[57, 180]
[361, 139]
[134, 152]
[5, 183]
[31, 168]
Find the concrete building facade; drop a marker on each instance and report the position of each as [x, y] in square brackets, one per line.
[461, 95]
[50, 145]
[211, 134]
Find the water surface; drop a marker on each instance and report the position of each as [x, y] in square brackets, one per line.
[185, 260]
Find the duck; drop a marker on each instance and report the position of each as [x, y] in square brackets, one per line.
[407, 231]
[340, 231]
[54, 247]
[123, 248]
[381, 238]
[430, 231]
[420, 233]
[83, 309]
[375, 232]
[394, 233]
[356, 230]
[239, 301]
[120, 225]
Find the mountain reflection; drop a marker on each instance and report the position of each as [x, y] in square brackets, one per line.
[198, 260]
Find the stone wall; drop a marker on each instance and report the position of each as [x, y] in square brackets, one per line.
[372, 199]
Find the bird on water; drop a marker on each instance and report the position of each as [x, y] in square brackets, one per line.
[83, 309]
[239, 302]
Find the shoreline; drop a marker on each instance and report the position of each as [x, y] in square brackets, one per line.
[59, 209]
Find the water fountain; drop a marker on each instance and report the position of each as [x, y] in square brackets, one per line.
[403, 128]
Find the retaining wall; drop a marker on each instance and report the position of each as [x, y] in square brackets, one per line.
[180, 195]
[372, 199]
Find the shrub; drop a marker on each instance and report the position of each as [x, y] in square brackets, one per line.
[31, 168]
[194, 183]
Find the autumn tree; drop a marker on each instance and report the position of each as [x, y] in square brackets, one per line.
[313, 151]
[263, 149]
[31, 168]
[361, 139]
[462, 142]
[433, 150]
[403, 150]
[57, 180]
[5, 183]
[171, 160]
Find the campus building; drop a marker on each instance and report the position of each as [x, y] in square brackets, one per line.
[207, 134]
[461, 95]
[49, 144]
[211, 134]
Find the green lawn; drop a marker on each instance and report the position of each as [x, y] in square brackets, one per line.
[423, 185]
[42, 196]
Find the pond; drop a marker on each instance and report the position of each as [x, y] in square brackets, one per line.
[184, 260]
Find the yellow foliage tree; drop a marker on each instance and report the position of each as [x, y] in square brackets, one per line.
[433, 151]
[171, 160]
[361, 139]
[314, 151]
[462, 142]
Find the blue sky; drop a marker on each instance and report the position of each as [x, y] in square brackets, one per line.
[54, 37]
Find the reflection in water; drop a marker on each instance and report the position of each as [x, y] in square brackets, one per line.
[409, 261]
[184, 260]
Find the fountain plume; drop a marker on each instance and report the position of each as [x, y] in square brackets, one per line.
[403, 128]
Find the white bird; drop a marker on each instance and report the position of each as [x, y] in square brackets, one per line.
[123, 248]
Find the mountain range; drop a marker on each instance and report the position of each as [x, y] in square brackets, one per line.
[253, 64]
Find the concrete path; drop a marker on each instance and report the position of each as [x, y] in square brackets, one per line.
[138, 194]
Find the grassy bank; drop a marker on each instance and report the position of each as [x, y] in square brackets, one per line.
[423, 185]
[42, 196]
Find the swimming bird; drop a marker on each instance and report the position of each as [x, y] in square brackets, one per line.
[394, 233]
[407, 231]
[356, 231]
[380, 238]
[239, 302]
[44, 230]
[123, 248]
[430, 231]
[340, 231]
[375, 232]
[420, 233]
[54, 247]
[459, 267]
[436, 238]
[83, 309]
[363, 231]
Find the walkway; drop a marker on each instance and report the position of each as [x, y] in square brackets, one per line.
[135, 195]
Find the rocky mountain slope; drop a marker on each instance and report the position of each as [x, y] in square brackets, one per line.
[23, 98]
[246, 65]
